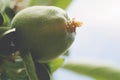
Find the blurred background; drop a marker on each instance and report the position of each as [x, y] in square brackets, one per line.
[98, 40]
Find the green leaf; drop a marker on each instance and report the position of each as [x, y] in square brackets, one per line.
[12, 71]
[9, 12]
[55, 64]
[42, 70]
[59, 3]
[6, 19]
[99, 72]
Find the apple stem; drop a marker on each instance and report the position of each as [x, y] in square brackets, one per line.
[29, 65]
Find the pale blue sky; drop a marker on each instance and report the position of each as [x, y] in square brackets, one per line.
[99, 37]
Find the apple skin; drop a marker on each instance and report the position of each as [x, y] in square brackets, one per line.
[42, 31]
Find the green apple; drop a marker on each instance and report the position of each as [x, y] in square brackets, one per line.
[45, 31]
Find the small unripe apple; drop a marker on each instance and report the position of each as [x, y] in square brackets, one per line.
[45, 31]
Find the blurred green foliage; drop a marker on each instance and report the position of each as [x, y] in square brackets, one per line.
[55, 64]
[59, 3]
[99, 72]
